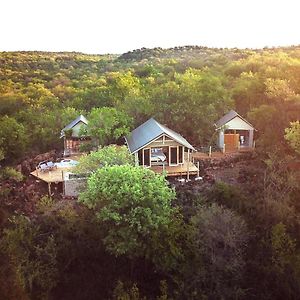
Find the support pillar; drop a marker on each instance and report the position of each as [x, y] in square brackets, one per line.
[188, 166]
[251, 138]
[49, 188]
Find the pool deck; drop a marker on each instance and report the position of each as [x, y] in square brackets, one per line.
[51, 176]
[55, 175]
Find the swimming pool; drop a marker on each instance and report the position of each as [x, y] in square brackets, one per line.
[67, 163]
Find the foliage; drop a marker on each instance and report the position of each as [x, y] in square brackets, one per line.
[107, 124]
[1, 154]
[187, 88]
[133, 204]
[11, 173]
[121, 294]
[13, 138]
[230, 196]
[219, 239]
[45, 204]
[292, 135]
[107, 156]
[68, 133]
[32, 255]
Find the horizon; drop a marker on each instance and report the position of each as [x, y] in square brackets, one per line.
[176, 46]
[115, 27]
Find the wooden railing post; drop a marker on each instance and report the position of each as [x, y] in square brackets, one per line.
[188, 166]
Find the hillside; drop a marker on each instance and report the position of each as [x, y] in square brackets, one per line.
[231, 233]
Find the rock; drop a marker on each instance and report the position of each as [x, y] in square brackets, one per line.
[26, 167]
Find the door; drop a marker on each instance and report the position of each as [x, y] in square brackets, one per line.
[231, 141]
[147, 162]
[173, 156]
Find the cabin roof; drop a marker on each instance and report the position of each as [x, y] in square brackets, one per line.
[228, 117]
[80, 118]
[149, 131]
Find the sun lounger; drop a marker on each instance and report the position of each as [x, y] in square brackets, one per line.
[51, 165]
[43, 167]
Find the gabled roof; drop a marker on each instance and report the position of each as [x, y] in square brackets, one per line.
[149, 131]
[228, 117]
[80, 118]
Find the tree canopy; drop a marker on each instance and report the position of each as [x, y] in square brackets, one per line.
[132, 203]
[107, 156]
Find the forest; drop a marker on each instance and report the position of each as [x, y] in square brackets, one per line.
[131, 234]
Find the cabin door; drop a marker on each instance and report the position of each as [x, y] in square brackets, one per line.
[173, 156]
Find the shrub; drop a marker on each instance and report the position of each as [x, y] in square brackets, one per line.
[11, 173]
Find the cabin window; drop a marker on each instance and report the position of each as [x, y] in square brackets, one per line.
[174, 155]
[147, 157]
[180, 155]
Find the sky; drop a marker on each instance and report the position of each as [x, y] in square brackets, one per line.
[118, 26]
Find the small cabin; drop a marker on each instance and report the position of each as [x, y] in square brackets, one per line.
[72, 135]
[161, 149]
[234, 132]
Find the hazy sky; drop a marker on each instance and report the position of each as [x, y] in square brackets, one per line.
[117, 26]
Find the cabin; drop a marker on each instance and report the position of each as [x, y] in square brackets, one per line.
[234, 132]
[72, 136]
[161, 149]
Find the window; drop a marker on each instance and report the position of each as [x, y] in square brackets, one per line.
[174, 155]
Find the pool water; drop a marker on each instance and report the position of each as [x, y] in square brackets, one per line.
[67, 163]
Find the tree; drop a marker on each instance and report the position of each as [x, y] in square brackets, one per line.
[43, 126]
[33, 255]
[219, 239]
[196, 96]
[106, 156]
[107, 124]
[1, 154]
[292, 136]
[133, 204]
[13, 138]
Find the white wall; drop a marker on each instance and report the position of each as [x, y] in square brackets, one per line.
[238, 123]
[76, 129]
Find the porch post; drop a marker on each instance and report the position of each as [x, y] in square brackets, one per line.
[251, 138]
[221, 138]
[49, 188]
[188, 166]
[136, 159]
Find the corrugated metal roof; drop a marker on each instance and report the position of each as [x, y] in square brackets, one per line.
[80, 118]
[228, 117]
[149, 131]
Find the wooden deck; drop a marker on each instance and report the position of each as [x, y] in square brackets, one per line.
[56, 175]
[176, 170]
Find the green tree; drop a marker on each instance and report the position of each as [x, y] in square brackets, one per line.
[292, 135]
[107, 156]
[197, 96]
[133, 204]
[33, 256]
[13, 138]
[107, 125]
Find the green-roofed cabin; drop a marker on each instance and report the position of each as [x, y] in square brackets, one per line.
[161, 149]
[72, 135]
